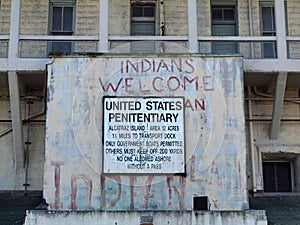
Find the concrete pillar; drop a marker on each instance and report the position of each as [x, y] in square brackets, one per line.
[280, 29]
[16, 119]
[103, 26]
[13, 48]
[278, 105]
[192, 26]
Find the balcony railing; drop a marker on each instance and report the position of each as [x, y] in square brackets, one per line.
[41, 46]
[251, 47]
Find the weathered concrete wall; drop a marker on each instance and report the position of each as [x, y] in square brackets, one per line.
[293, 26]
[293, 9]
[87, 17]
[288, 143]
[249, 217]
[119, 17]
[176, 17]
[34, 17]
[5, 6]
[215, 137]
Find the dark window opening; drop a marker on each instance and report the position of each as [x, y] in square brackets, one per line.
[61, 23]
[143, 24]
[277, 177]
[143, 11]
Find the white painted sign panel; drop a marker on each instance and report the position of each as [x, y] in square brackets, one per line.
[143, 135]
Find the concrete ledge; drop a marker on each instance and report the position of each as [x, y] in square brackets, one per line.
[248, 217]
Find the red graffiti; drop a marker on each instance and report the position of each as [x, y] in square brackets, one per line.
[158, 84]
[148, 194]
[74, 182]
[193, 177]
[196, 105]
[133, 180]
[114, 201]
[157, 66]
[179, 194]
[214, 174]
[57, 204]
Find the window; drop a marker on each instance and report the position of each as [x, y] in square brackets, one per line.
[143, 24]
[61, 22]
[277, 176]
[224, 24]
[268, 28]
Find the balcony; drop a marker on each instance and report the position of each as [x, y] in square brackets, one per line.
[37, 49]
[39, 46]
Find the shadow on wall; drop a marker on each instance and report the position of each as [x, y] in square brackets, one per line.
[281, 210]
[13, 206]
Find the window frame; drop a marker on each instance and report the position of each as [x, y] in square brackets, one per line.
[291, 173]
[62, 4]
[142, 19]
[65, 3]
[150, 20]
[264, 33]
[223, 5]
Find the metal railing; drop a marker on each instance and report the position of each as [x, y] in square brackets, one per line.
[251, 47]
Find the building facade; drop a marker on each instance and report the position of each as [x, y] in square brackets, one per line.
[235, 63]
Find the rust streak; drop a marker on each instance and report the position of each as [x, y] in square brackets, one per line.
[193, 177]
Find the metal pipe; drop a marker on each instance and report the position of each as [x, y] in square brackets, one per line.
[251, 141]
[271, 97]
[7, 131]
[27, 143]
[42, 112]
[24, 121]
[261, 94]
[270, 119]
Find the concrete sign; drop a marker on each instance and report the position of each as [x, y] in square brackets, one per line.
[143, 135]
